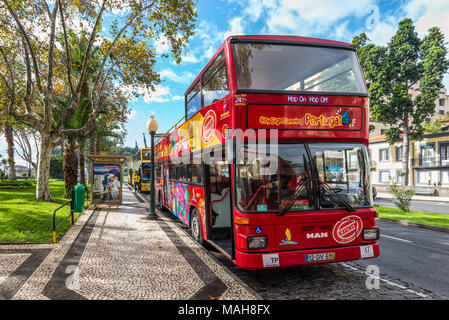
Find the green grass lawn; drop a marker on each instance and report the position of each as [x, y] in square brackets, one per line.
[23, 219]
[427, 218]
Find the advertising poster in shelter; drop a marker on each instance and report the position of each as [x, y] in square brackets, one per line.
[106, 183]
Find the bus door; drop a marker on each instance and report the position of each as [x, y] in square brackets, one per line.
[220, 206]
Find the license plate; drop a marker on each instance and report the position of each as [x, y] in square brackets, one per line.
[366, 252]
[320, 256]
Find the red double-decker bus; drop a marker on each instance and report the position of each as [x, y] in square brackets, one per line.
[270, 164]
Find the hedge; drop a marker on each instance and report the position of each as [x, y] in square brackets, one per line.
[10, 184]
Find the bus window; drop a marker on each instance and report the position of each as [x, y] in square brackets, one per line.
[279, 67]
[344, 167]
[270, 186]
[193, 100]
[215, 82]
[182, 173]
[158, 171]
[197, 173]
[146, 154]
[172, 171]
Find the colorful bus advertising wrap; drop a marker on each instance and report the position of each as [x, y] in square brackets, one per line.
[205, 129]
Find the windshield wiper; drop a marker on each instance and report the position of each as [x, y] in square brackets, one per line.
[299, 189]
[340, 201]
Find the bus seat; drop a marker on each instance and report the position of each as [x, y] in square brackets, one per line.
[222, 208]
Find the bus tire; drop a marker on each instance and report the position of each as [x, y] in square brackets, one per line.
[195, 227]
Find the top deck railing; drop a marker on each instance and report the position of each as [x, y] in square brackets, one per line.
[163, 135]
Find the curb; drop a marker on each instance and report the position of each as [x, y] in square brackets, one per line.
[430, 199]
[414, 224]
[23, 243]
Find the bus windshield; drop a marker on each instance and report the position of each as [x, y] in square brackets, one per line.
[279, 67]
[270, 185]
[146, 171]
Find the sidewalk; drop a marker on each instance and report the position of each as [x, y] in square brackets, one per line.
[385, 195]
[115, 253]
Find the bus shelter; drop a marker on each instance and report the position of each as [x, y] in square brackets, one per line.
[106, 179]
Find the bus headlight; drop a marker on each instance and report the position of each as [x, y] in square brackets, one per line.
[259, 242]
[371, 234]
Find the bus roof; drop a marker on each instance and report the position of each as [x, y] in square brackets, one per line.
[271, 39]
[297, 39]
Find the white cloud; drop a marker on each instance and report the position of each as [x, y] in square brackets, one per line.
[160, 93]
[383, 32]
[310, 16]
[162, 45]
[132, 114]
[427, 14]
[177, 98]
[235, 28]
[168, 74]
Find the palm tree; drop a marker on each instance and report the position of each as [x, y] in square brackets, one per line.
[76, 120]
[4, 162]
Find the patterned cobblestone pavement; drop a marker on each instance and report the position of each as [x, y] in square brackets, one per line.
[115, 253]
[328, 282]
[337, 281]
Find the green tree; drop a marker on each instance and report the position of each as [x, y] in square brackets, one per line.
[391, 72]
[127, 55]
[432, 126]
[56, 167]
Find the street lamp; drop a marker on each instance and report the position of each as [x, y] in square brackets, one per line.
[152, 127]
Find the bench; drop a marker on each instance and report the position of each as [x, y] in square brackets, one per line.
[426, 191]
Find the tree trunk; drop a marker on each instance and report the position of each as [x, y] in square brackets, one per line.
[92, 145]
[97, 145]
[82, 161]
[405, 153]
[43, 170]
[70, 165]
[10, 143]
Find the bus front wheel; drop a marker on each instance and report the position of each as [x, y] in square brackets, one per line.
[195, 227]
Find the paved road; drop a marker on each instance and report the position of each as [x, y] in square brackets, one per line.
[413, 255]
[413, 265]
[418, 205]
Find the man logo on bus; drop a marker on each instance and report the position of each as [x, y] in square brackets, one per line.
[209, 125]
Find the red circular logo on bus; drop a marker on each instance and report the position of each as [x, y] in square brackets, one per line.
[209, 125]
[347, 229]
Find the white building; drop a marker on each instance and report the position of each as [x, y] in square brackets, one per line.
[428, 162]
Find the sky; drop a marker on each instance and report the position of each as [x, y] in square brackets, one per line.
[217, 19]
[330, 19]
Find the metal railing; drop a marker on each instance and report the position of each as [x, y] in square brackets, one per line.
[162, 136]
[69, 216]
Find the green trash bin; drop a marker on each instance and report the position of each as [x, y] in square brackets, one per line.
[78, 194]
